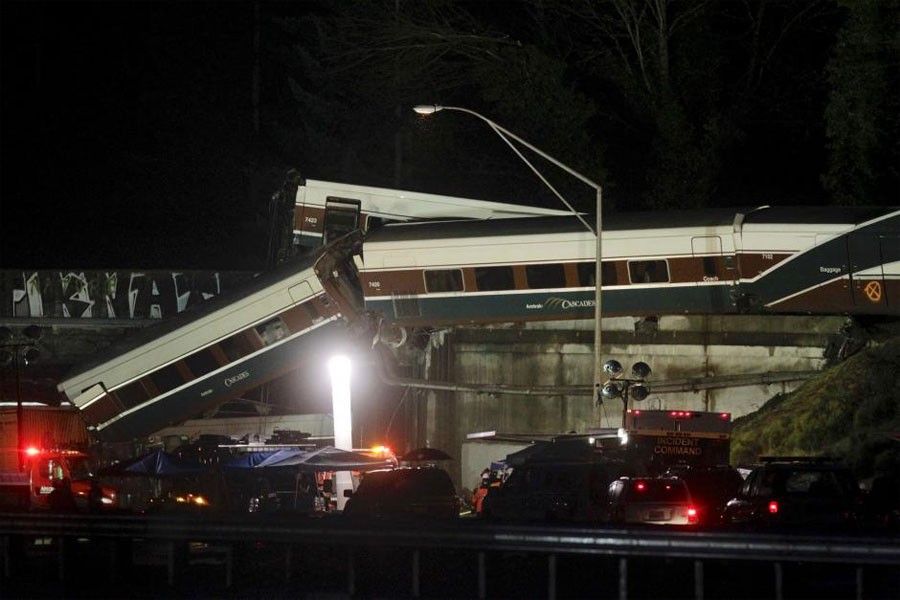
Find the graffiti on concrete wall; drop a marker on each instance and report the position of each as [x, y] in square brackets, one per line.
[110, 294]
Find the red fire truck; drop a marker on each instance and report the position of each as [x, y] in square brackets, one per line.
[48, 449]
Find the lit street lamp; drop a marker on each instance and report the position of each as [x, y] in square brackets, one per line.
[506, 135]
[10, 350]
[618, 387]
[339, 367]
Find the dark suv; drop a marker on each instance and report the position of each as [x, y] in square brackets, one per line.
[404, 492]
[553, 491]
[796, 492]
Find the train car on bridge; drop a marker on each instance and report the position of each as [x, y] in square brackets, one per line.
[767, 260]
[216, 351]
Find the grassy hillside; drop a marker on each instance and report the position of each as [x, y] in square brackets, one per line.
[847, 412]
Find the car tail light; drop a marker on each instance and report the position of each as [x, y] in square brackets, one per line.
[773, 507]
[692, 514]
[640, 486]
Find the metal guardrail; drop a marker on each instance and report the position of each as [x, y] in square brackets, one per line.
[422, 540]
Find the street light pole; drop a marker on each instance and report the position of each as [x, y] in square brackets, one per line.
[506, 135]
[9, 351]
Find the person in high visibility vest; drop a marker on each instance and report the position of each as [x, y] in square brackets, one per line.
[480, 491]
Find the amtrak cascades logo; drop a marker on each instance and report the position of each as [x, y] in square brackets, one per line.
[230, 381]
[556, 303]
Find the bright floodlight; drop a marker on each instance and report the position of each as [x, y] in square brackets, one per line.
[613, 368]
[639, 392]
[427, 109]
[641, 370]
[339, 368]
[610, 391]
[31, 354]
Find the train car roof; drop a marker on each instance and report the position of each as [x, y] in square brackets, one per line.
[815, 215]
[410, 205]
[534, 225]
[626, 221]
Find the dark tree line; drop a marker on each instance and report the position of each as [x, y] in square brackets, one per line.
[667, 103]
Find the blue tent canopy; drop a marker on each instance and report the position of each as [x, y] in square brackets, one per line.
[328, 458]
[155, 464]
[247, 460]
[279, 457]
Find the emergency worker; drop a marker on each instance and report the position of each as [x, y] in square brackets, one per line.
[61, 498]
[95, 497]
[480, 491]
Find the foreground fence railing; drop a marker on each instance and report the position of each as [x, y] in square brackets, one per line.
[466, 558]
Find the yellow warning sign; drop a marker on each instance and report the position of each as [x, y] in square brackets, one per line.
[873, 291]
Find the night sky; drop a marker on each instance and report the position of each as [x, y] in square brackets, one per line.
[128, 136]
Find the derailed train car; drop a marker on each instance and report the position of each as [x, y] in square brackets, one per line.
[766, 260]
[183, 366]
[446, 273]
[223, 348]
[323, 209]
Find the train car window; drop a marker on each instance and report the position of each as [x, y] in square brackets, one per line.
[236, 347]
[372, 223]
[341, 217]
[406, 305]
[648, 271]
[490, 279]
[586, 274]
[541, 277]
[202, 362]
[312, 311]
[272, 330]
[443, 280]
[167, 378]
[132, 394]
[709, 266]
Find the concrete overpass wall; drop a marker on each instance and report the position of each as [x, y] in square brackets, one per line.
[562, 355]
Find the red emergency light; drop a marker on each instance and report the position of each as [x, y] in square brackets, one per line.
[681, 414]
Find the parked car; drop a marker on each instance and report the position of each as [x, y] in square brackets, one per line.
[404, 492]
[651, 501]
[796, 492]
[553, 491]
[711, 488]
[882, 503]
